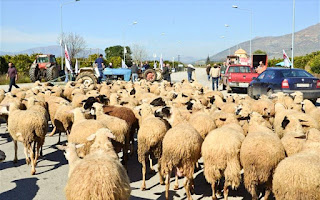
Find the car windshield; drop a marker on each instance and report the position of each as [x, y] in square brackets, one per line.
[239, 69]
[295, 73]
[42, 60]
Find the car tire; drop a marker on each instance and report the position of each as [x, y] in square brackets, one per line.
[88, 79]
[33, 74]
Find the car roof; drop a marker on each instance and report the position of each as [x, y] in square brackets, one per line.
[282, 68]
[239, 65]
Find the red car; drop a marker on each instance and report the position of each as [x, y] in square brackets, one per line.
[238, 76]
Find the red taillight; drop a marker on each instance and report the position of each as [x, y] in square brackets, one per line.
[318, 83]
[285, 84]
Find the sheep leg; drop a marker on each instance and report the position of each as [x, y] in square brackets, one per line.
[53, 131]
[151, 166]
[176, 183]
[59, 141]
[125, 154]
[37, 152]
[225, 191]
[167, 184]
[144, 170]
[187, 188]
[268, 188]
[15, 151]
[132, 142]
[27, 155]
[160, 173]
[213, 187]
[33, 169]
[253, 192]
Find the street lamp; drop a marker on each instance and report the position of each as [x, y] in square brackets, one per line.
[62, 29]
[249, 10]
[124, 42]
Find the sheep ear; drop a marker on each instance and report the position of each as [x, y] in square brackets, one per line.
[79, 146]
[285, 122]
[110, 135]
[61, 147]
[91, 137]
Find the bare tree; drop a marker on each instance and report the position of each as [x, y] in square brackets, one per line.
[75, 43]
[139, 53]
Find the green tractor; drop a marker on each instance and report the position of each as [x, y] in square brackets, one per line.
[45, 66]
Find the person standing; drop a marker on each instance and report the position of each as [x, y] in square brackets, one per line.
[13, 74]
[190, 69]
[215, 74]
[134, 72]
[208, 71]
[166, 72]
[99, 63]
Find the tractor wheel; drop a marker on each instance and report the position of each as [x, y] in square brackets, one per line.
[51, 73]
[150, 75]
[34, 74]
[87, 79]
[159, 76]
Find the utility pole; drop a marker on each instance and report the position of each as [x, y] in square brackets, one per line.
[293, 23]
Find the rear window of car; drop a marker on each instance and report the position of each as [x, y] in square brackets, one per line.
[295, 73]
[240, 69]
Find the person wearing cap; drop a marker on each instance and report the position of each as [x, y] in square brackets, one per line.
[99, 63]
[208, 71]
[215, 74]
[190, 69]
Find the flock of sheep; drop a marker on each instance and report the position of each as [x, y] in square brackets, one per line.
[272, 142]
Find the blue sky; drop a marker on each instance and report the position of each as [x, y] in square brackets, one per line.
[191, 27]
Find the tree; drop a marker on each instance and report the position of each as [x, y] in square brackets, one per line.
[116, 61]
[260, 52]
[75, 43]
[117, 50]
[3, 65]
[139, 53]
[208, 60]
[315, 64]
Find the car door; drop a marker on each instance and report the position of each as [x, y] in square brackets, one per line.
[256, 84]
[267, 82]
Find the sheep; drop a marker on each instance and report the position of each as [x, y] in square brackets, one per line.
[310, 109]
[221, 118]
[150, 136]
[99, 175]
[202, 122]
[32, 128]
[260, 153]
[118, 127]
[221, 156]
[298, 176]
[181, 150]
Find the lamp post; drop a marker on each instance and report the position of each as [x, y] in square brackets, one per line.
[293, 24]
[124, 43]
[62, 29]
[249, 10]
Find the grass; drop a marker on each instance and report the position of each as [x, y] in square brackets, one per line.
[22, 78]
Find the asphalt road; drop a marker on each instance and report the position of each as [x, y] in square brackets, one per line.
[16, 183]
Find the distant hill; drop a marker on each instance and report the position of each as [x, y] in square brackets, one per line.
[55, 49]
[306, 41]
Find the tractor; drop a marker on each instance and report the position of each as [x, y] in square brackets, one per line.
[45, 66]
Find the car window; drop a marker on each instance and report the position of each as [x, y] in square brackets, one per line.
[240, 69]
[234, 69]
[269, 75]
[295, 73]
[261, 76]
[52, 59]
[244, 69]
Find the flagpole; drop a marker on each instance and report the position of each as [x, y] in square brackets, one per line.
[293, 23]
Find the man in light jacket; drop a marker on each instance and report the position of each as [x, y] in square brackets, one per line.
[215, 74]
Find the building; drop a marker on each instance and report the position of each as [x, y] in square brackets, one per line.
[241, 53]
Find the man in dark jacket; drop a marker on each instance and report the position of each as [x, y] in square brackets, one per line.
[13, 74]
[134, 72]
[208, 71]
[166, 72]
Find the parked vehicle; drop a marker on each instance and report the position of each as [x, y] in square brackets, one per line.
[238, 76]
[44, 66]
[285, 80]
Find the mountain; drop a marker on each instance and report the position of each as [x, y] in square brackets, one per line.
[55, 50]
[306, 41]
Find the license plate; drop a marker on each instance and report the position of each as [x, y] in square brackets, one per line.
[304, 85]
[243, 84]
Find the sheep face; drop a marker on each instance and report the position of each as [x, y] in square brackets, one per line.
[163, 112]
[243, 111]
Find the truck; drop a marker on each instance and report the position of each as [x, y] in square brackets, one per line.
[44, 67]
[238, 76]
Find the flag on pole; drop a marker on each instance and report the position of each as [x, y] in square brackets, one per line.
[76, 67]
[161, 62]
[67, 58]
[123, 64]
[286, 60]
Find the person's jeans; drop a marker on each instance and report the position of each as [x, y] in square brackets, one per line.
[215, 82]
[134, 77]
[100, 75]
[189, 76]
[208, 77]
[12, 83]
[67, 77]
